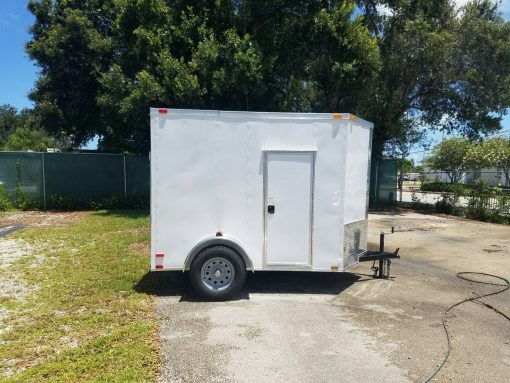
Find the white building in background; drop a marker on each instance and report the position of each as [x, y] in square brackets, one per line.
[492, 176]
[440, 176]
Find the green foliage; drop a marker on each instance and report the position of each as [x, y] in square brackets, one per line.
[405, 165]
[12, 120]
[72, 46]
[20, 194]
[107, 203]
[137, 201]
[447, 203]
[5, 202]
[486, 203]
[449, 156]
[478, 201]
[441, 68]
[110, 202]
[103, 63]
[24, 138]
[9, 121]
[444, 187]
[481, 69]
[64, 203]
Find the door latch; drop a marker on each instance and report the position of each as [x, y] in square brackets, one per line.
[270, 209]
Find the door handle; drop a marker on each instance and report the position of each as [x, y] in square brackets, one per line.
[270, 209]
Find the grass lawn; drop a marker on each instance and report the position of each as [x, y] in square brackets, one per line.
[86, 318]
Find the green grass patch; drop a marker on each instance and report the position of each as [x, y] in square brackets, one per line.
[86, 320]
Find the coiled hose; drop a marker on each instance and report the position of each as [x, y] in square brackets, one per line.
[479, 299]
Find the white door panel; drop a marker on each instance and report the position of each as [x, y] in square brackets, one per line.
[288, 207]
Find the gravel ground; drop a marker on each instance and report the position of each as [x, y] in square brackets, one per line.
[312, 327]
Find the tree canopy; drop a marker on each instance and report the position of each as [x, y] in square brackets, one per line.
[450, 156]
[442, 68]
[103, 63]
[10, 119]
[24, 138]
[19, 131]
[422, 63]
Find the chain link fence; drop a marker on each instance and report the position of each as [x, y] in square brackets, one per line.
[49, 180]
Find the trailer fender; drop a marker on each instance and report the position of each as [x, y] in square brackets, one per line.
[214, 240]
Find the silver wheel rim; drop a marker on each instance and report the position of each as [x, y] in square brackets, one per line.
[217, 274]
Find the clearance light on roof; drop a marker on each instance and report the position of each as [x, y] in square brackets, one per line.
[163, 111]
[337, 116]
[352, 117]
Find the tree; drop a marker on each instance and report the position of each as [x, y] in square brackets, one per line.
[493, 152]
[8, 122]
[11, 119]
[445, 68]
[103, 63]
[71, 44]
[449, 156]
[400, 147]
[24, 138]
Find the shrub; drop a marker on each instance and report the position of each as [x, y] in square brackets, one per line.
[444, 187]
[113, 201]
[138, 201]
[64, 203]
[486, 204]
[5, 203]
[448, 203]
[107, 203]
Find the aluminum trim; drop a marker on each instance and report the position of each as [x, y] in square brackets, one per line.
[254, 115]
[355, 242]
[369, 170]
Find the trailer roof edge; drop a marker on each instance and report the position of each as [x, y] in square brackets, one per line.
[277, 115]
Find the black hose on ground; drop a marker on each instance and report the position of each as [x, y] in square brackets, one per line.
[479, 299]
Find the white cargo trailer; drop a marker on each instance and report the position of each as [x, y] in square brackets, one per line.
[238, 191]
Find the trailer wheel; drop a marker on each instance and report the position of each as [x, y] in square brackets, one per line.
[217, 273]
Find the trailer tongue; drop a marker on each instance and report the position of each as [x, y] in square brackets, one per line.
[384, 258]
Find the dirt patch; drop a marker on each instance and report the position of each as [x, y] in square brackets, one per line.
[41, 218]
[141, 248]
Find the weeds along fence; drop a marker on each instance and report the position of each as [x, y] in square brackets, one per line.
[70, 181]
[475, 198]
[491, 206]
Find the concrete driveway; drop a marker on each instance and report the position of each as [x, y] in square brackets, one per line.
[348, 327]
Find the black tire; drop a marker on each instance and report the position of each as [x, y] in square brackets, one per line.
[214, 265]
